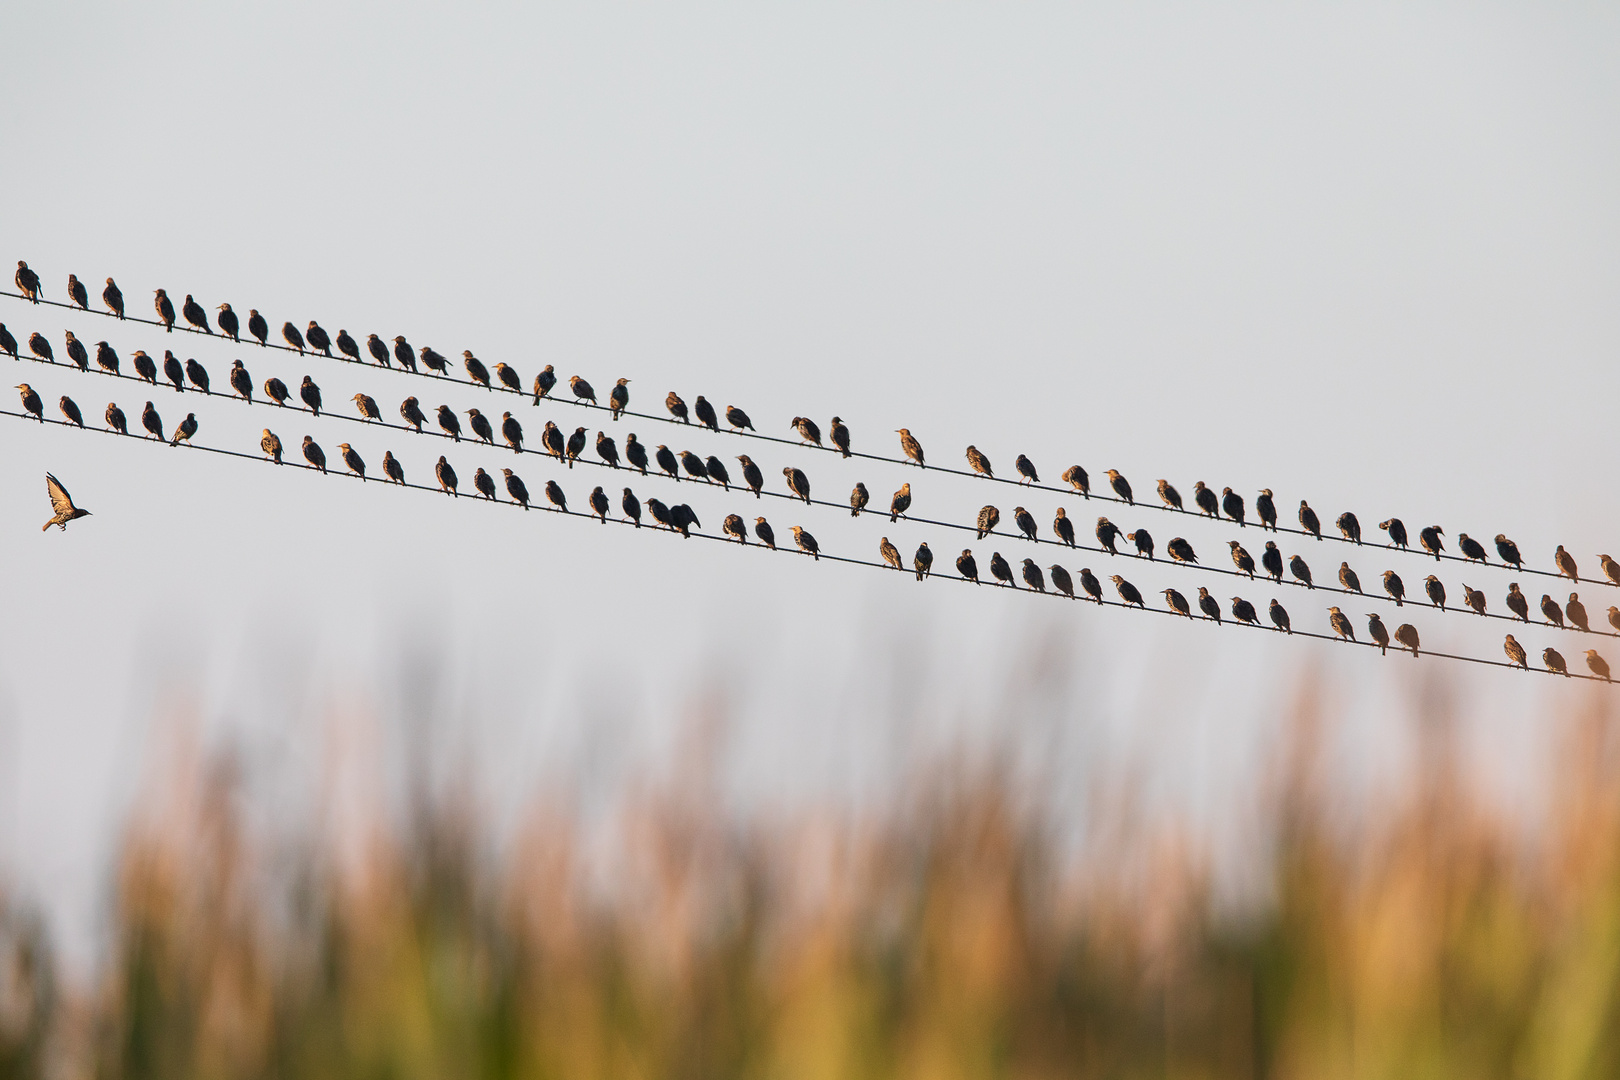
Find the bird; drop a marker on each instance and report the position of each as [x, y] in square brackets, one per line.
[599, 503]
[77, 292]
[635, 452]
[979, 463]
[1379, 634]
[682, 518]
[1241, 558]
[1143, 541]
[1266, 509]
[311, 395]
[318, 338]
[1576, 612]
[858, 498]
[8, 344]
[352, 458]
[664, 456]
[271, 445]
[554, 495]
[1565, 563]
[734, 526]
[1063, 527]
[241, 381]
[396, 472]
[145, 366]
[40, 347]
[1089, 582]
[1515, 652]
[1127, 591]
[1611, 569]
[62, 508]
[738, 419]
[989, 518]
[1170, 496]
[510, 379]
[107, 360]
[446, 475]
[481, 427]
[660, 513]
[543, 383]
[1107, 534]
[1032, 576]
[1232, 504]
[115, 419]
[257, 326]
[198, 375]
[1297, 567]
[752, 476]
[1341, 624]
[1471, 548]
[1244, 612]
[1061, 580]
[478, 373]
[27, 281]
[70, 409]
[174, 371]
[705, 413]
[694, 465]
[766, 534]
[1279, 617]
[717, 471]
[1517, 602]
[1554, 661]
[407, 358]
[1474, 598]
[1026, 525]
[1180, 550]
[582, 389]
[899, 502]
[1552, 612]
[1429, 538]
[999, 569]
[152, 422]
[797, 482]
[1205, 500]
[808, 545]
[911, 447]
[1121, 486]
[1308, 520]
[677, 407]
[1597, 665]
[606, 448]
[923, 561]
[1406, 635]
[77, 353]
[618, 398]
[1271, 561]
[291, 335]
[411, 411]
[229, 324]
[1396, 529]
[451, 424]
[1208, 604]
[519, 491]
[966, 565]
[347, 345]
[839, 434]
[1395, 587]
[187, 428]
[378, 351]
[113, 298]
[1026, 469]
[576, 444]
[31, 402]
[195, 315]
[890, 554]
[1350, 527]
[1509, 551]
[484, 484]
[1177, 602]
[631, 507]
[1076, 476]
[1347, 578]
[315, 455]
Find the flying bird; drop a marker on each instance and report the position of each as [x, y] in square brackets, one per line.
[62, 508]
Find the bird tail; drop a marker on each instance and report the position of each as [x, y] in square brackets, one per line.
[48, 525]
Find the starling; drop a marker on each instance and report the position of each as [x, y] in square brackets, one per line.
[1553, 613]
[315, 455]
[1271, 560]
[318, 338]
[1207, 604]
[346, 344]
[107, 360]
[808, 545]
[1244, 612]
[599, 503]
[1107, 534]
[682, 518]
[631, 507]
[276, 391]
[543, 383]
[1341, 624]
[509, 379]
[76, 352]
[485, 485]
[1515, 651]
[1026, 525]
[375, 346]
[481, 428]
[911, 447]
[1380, 635]
[1241, 558]
[28, 282]
[606, 448]
[1232, 504]
[1205, 500]
[1577, 613]
[70, 409]
[1474, 598]
[1032, 576]
[990, 517]
[635, 452]
[1075, 475]
[858, 498]
[195, 315]
[1127, 591]
[665, 458]
[1509, 551]
[113, 298]
[1395, 587]
[1171, 497]
[1407, 636]
[62, 508]
[519, 491]
[1554, 661]
[900, 502]
[395, 472]
[231, 326]
[1347, 578]
[660, 513]
[352, 458]
[1143, 541]
[407, 358]
[257, 326]
[411, 410]
[1279, 617]
[1026, 469]
[1181, 551]
[1308, 520]
[174, 371]
[115, 419]
[999, 568]
[290, 333]
[1565, 563]
[1061, 580]
[452, 427]
[1517, 602]
[477, 372]
[1396, 529]
[446, 476]
[738, 419]
[41, 347]
[1597, 665]
[1611, 569]
[1121, 486]
[677, 407]
[78, 292]
[554, 495]
[8, 344]
[807, 429]
[198, 375]
[271, 445]
[751, 474]
[797, 482]
[1089, 582]
[890, 553]
[1297, 567]
[311, 395]
[241, 382]
[1266, 509]
[1177, 602]
[618, 397]
[839, 434]
[694, 465]
[734, 526]
[150, 420]
[705, 414]
[966, 565]
[31, 402]
[717, 471]
[582, 390]
[1429, 538]
[1350, 527]
[1063, 527]
[576, 445]
[979, 463]
[1470, 548]
[766, 534]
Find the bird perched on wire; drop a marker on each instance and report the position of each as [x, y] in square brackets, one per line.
[694, 465]
[766, 534]
[705, 413]
[682, 518]
[1341, 624]
[1170, 496]
[1143, 541]
[797, 482]
[367, 406]
[923, 561]
[635, 452]
[1026, 469]
[1032, 576]
[1266, 509]
[394, 470]
[62, 508]
[241, 382]
[1517, 602]
[451, 425]
[411, 410]
[738, 419]
[174, 371]
[1377, 631]
[1348, 579]
[1279, 617]
[1241, 558]
[858, 498]
[115, 419]
[256, 324]
[145, 366]
[32, 404]
[911, 447]
[966, 565]
[1061, 581]
[619, 397]
[1429, 538]
[1107, 534]
[1271, 561]
[40, 347]
[407, 358]
[677, 407]
[1300, 570]
[1244, 612]
[1509, 551]
[554, 495]
[1308, 520]
[76, 352]
[310, 394]
[889, 553]
[1208, 604]
[808, 545]
[187, 428]
[1597, 665]
[315, 455]
[1406, 635]
[599, 503]
[1063, 527]
[445, 475]
[78, 292]
[839, 434]
[1515, 652]
[346, 344]
[27, 282]
[543, 383]
[1026, 525]
[1471, 548]
[999, 569]
[1551, 611]
[1554, 661]
[1177, 602]
[576, 446]
[113, 298]
[899, 502]
[485, 484]
[1121, 486]
[1077, 477]
[293, 337]
[1396, 530]
[479, 374]
[1127, 591]
[1611, 569]
[481, 428]
[1089, 582]
[378, 351]
[1204, 498]
[664, 456]
[1181, 551]
[1395, 587]
[193, 313]
[660, 513]
[8, 344]
[979, 463]
[606, 449]
[318, 338]
[752, 476]
[631, 507]
[352, 458]
[70, 409]
[510, 379]
[717, 471]
[1565, 563]
[733, 526]
[516, 488]
[151, 421]
[271, 445]
[1350, 527]
[1576, 612]
[1232, 504]
[989, 518]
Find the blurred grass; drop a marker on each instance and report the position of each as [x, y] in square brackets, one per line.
[948, 937]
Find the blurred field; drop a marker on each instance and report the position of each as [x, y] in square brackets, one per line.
[952, 934]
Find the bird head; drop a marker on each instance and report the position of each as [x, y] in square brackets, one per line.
[1116, 579]
[1226, 491]
[345, 447]
[1233, 544]
[1266, 492]
[623, 382]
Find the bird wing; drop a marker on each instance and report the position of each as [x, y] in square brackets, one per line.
[61, 501]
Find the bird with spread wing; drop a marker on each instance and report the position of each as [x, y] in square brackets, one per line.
[62, 503]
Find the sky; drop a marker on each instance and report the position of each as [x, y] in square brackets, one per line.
[1366, 257]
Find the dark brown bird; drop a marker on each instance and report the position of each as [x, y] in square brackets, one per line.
[378, 350]
[1204, 498]
[1177, 602]
[766, 534]
[76, 352]
[797, 482]
[1407, 636]
[599, 503]
[1396, 529]
[705, 414]
[113, 298]
[1032, 576]
[241, 382]
[666, 461]
[452, 426]
[271, 445]
[1380, 635]
[1597, 665]
[1180, 550]
[1279, 617]
[1565, 563]
[519, 491]
[407, 358]
[606, 449]
[1515, 652]
[858, 498]
[1061, 581]
[1026, 525]
[900, 502]
[1089, 582]
[911, 447]
[1271, 561]
[808, 545]
[107, 360]
[979, 463]
[1244, 612]
[276, 391]
[694, 466]
[677, 407]
[717, 471]
[198, 375]
[619, 398]
[314, 454]
[989, 518]
[1577, 613]
[392, 468]
[485, 433]
[1509, 551]
[635, 453]
[367, 406]
[1551, 611]
[445, 475]
[1121, 486]
[1429, 538]
[890, 554]
[660, 513]
[1063, 527]
[1350, 527]
[115, 419]
[27, 282]
[32, 404]
[1266, 510]
[967, 565]
[145, 366]
[543, 383]
[839, 434]
[1474, 598]
[999, 569]
[807, 429]
[1026, 469]
[257, 326]
[1208, 604]
[1127, 591]
[1170, 496]
[738, 419]
[509, 378]
[174, 371]
[1143, 541]
[1297, 567]
[62, 508]
[291, 336]
[228, 322]
[1471, 548]
[1517, 602]
[1232, 504]
[352, 458]
[476, 371]
[734, 526]
[1395, 587]
[318, 338]
[1611, 569]
[152, 422]
[1347, 578]
[582, 389]
[1554, 661]
[41, 347]
[78, 292]
[346, 344]
[1241, 558]
[631, 507]
[1076, 476]
[1341, 624]
[195, 315]
[682, 518]
[70, 409]
[411, 411]
[751, 474]
[311, 395]
[1107, 534]
[8, 344]
[576, 446]
[1308, 520]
